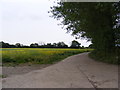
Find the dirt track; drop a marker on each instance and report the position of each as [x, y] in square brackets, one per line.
[78, 71]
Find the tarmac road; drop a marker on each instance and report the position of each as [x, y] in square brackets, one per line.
[78, 71]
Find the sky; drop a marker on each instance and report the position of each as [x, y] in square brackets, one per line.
[28, 21]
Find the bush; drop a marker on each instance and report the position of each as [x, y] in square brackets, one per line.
[110, 58]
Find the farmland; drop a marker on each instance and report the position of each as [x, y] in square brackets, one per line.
[15, 56]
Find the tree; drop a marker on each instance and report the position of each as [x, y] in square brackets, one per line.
[4, 45]
[34, 45]
[91, 46]
[18, 45]
[61, 45]
[49, 45]
[54, 45]
[83, 47]
[75, 44]
[94, 21]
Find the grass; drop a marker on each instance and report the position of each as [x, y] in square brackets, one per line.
[110, 58]
[15, 56]
[3, 76]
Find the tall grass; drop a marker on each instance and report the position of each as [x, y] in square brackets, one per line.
[110, 58]
[37, 55]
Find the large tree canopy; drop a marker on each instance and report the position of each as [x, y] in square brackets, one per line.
[95, 21]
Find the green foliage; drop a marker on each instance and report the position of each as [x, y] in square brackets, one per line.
[104, 57]
[95, 21]
[15, 56]
[3, 76]
[75, 44]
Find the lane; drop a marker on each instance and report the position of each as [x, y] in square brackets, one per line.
[101, 75]
[78, 71]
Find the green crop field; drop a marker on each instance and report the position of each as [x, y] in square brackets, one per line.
[36, 55]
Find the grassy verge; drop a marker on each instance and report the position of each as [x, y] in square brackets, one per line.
[3, 76]
[15, 56]
[110, 58]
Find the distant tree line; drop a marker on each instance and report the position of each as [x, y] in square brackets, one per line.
[74, 44]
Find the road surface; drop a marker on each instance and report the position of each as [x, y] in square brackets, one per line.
[78, 71]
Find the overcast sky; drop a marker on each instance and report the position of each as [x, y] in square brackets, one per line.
[28, 21]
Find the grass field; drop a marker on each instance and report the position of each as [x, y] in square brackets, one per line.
[36, 55]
